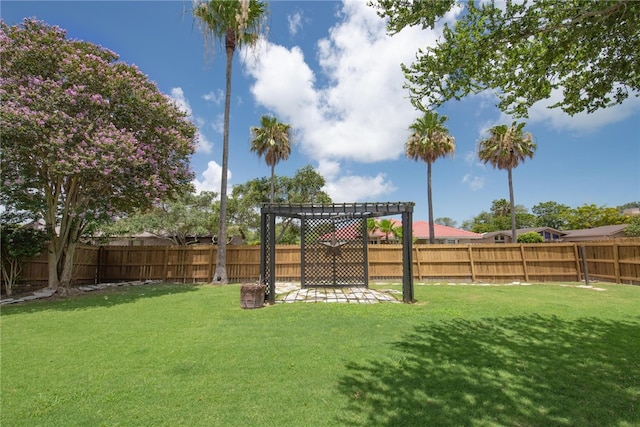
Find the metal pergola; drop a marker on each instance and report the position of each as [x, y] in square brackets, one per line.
[333, 211]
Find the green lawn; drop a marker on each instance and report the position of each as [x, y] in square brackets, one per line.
[180, 355]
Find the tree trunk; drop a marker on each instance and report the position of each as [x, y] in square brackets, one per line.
[67, 265]
[220, 275]
[52, 265]
[10, 272]
[273, 185]
[513, 210]
[432, 227]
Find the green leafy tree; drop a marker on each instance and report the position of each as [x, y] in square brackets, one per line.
[499, 218]
[481, 223]
[179, 221]
[232, 23]
[506, 148]
[629, 205]
[446, 221]
[272, 140]
[500, 207]
[306, 186]
[372, 225]
[530, 237]
[85, 138]
[591, 215]
[244, 206]
[429, 140]
[525, 220]
[524, 51]
[18, 244]
[551, 214]
[633, 229]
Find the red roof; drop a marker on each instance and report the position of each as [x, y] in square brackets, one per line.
[420, 231]
[349, 232]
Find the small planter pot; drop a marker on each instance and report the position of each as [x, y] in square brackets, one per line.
[252, 295]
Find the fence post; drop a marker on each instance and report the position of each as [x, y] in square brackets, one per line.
[577, 258]
[585, 269]
[100, 264]
[524, 263]
[473, 268]
[616, 262]
[165, 265]
[418, 262]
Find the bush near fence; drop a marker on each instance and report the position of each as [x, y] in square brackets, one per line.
[610, 261]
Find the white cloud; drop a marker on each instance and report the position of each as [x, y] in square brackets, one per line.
[355, 109]
[362, 113]
[177, 94]
[359, 188]
[218, 124]
[215, 96]
[204, 145]
[212, 178]
[581, 123]
[295, 23]
[471, 158]
[474, 182]
[329, 169]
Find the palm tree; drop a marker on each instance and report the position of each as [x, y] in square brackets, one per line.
[238, 23]
[372, 227]
[505, 148]
[429, 140]
[273, 141]
[389, 228]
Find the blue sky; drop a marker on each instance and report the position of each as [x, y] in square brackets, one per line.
[329, 69]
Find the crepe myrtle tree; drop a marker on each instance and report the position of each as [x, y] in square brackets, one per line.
[85, 137]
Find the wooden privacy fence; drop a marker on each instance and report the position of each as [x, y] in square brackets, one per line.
[617, 262]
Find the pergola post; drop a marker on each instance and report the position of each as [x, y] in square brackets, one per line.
[272, 258]
[407, 256]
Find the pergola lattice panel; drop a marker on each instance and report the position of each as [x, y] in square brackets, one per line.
[334, 252]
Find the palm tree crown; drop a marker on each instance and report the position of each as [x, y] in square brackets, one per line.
[236, 22]
[429, 140]
[505, 148]
[272, 140]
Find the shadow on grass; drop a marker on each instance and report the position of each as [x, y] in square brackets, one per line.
[101, 298]
[519, 371]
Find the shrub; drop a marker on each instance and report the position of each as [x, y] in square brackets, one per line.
[530, 237]
[19, 245]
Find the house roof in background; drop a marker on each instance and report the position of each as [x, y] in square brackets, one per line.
[421, 231]
[520, 231]
[606, 230]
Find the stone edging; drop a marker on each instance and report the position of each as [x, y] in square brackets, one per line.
[47, 293]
